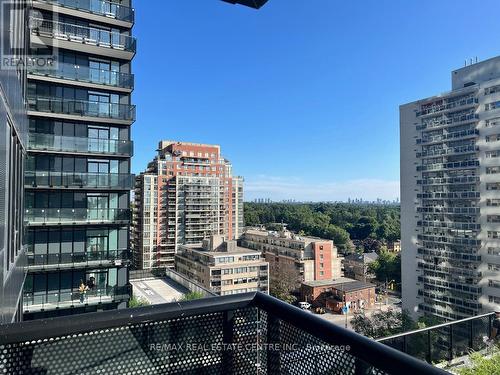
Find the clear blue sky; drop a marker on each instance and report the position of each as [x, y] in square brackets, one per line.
[302, 95]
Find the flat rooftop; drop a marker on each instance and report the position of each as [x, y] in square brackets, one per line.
[237, 251]
[340, 280]
[274, 234]
[344, 283]
[158, 290]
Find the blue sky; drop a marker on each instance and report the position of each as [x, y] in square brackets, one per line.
[302, 95]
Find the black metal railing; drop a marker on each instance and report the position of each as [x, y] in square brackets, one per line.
[249, 333]
[444, 342]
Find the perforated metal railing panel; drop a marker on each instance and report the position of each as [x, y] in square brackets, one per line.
[205, 337]
[186, 345]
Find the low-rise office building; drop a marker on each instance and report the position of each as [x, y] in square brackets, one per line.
[313, 258]
[223, 267]
[335, 294]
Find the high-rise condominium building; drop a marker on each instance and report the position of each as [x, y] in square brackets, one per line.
[78, 178]
[450, 196]
[13, 139]
[187, 193]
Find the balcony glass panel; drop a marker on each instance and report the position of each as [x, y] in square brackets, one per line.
[84, 35]
[86, 74]
[62, 299]
[82, 108]
[103, 8]
[74, 215]
[50, 142]
[80, 180]
[91, 258]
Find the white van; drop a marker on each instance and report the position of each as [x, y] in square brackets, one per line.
[304, 305]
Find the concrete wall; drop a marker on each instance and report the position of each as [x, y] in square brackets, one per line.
[408, 135]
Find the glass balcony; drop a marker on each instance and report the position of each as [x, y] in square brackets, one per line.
[35, 216]
[445, 342]
[50, 142]
[122, 181]
[72, 260]
[85, 74]
[250, 333]
[100, 7]
[66, 299]
[82, 108]
[82, 34]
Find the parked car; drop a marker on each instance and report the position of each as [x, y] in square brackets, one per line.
[304, 305]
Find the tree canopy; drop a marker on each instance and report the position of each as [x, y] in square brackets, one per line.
[340, 222]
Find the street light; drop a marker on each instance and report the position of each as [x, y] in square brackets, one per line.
[249, 3]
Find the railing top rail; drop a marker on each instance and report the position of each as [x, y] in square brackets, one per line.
[420, 330]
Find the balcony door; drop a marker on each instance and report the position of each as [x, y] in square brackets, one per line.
[98, 139]
[98, 206]
[97, 247]
[100, 72]
[103, 105]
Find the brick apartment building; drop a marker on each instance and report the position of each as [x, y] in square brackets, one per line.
[314, 258]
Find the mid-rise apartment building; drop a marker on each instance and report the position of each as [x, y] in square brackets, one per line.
[78, 177]
[13, 141]
[187, 194]
[450, 196]
[313, 258]
[223, 267]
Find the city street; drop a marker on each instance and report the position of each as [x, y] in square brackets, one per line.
[341, 319]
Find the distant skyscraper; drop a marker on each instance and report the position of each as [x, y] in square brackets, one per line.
[450, 196]
[78, 178]
[187, 194]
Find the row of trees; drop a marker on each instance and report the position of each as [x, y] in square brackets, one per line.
[340, 222]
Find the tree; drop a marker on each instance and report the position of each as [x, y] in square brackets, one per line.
[387, 267]
[137, 302]
[191, 296]
[365, 227]
[382, 323]
[481, 365]
[285, 280]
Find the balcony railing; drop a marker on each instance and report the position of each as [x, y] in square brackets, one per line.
[72, 260]
[36, 216]
[33, 302]
[249, 333]
[122, 181]
[58, 143]
[444, 342]
[85, 74]
[100, 7]
[82, 108]
[82, 34]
